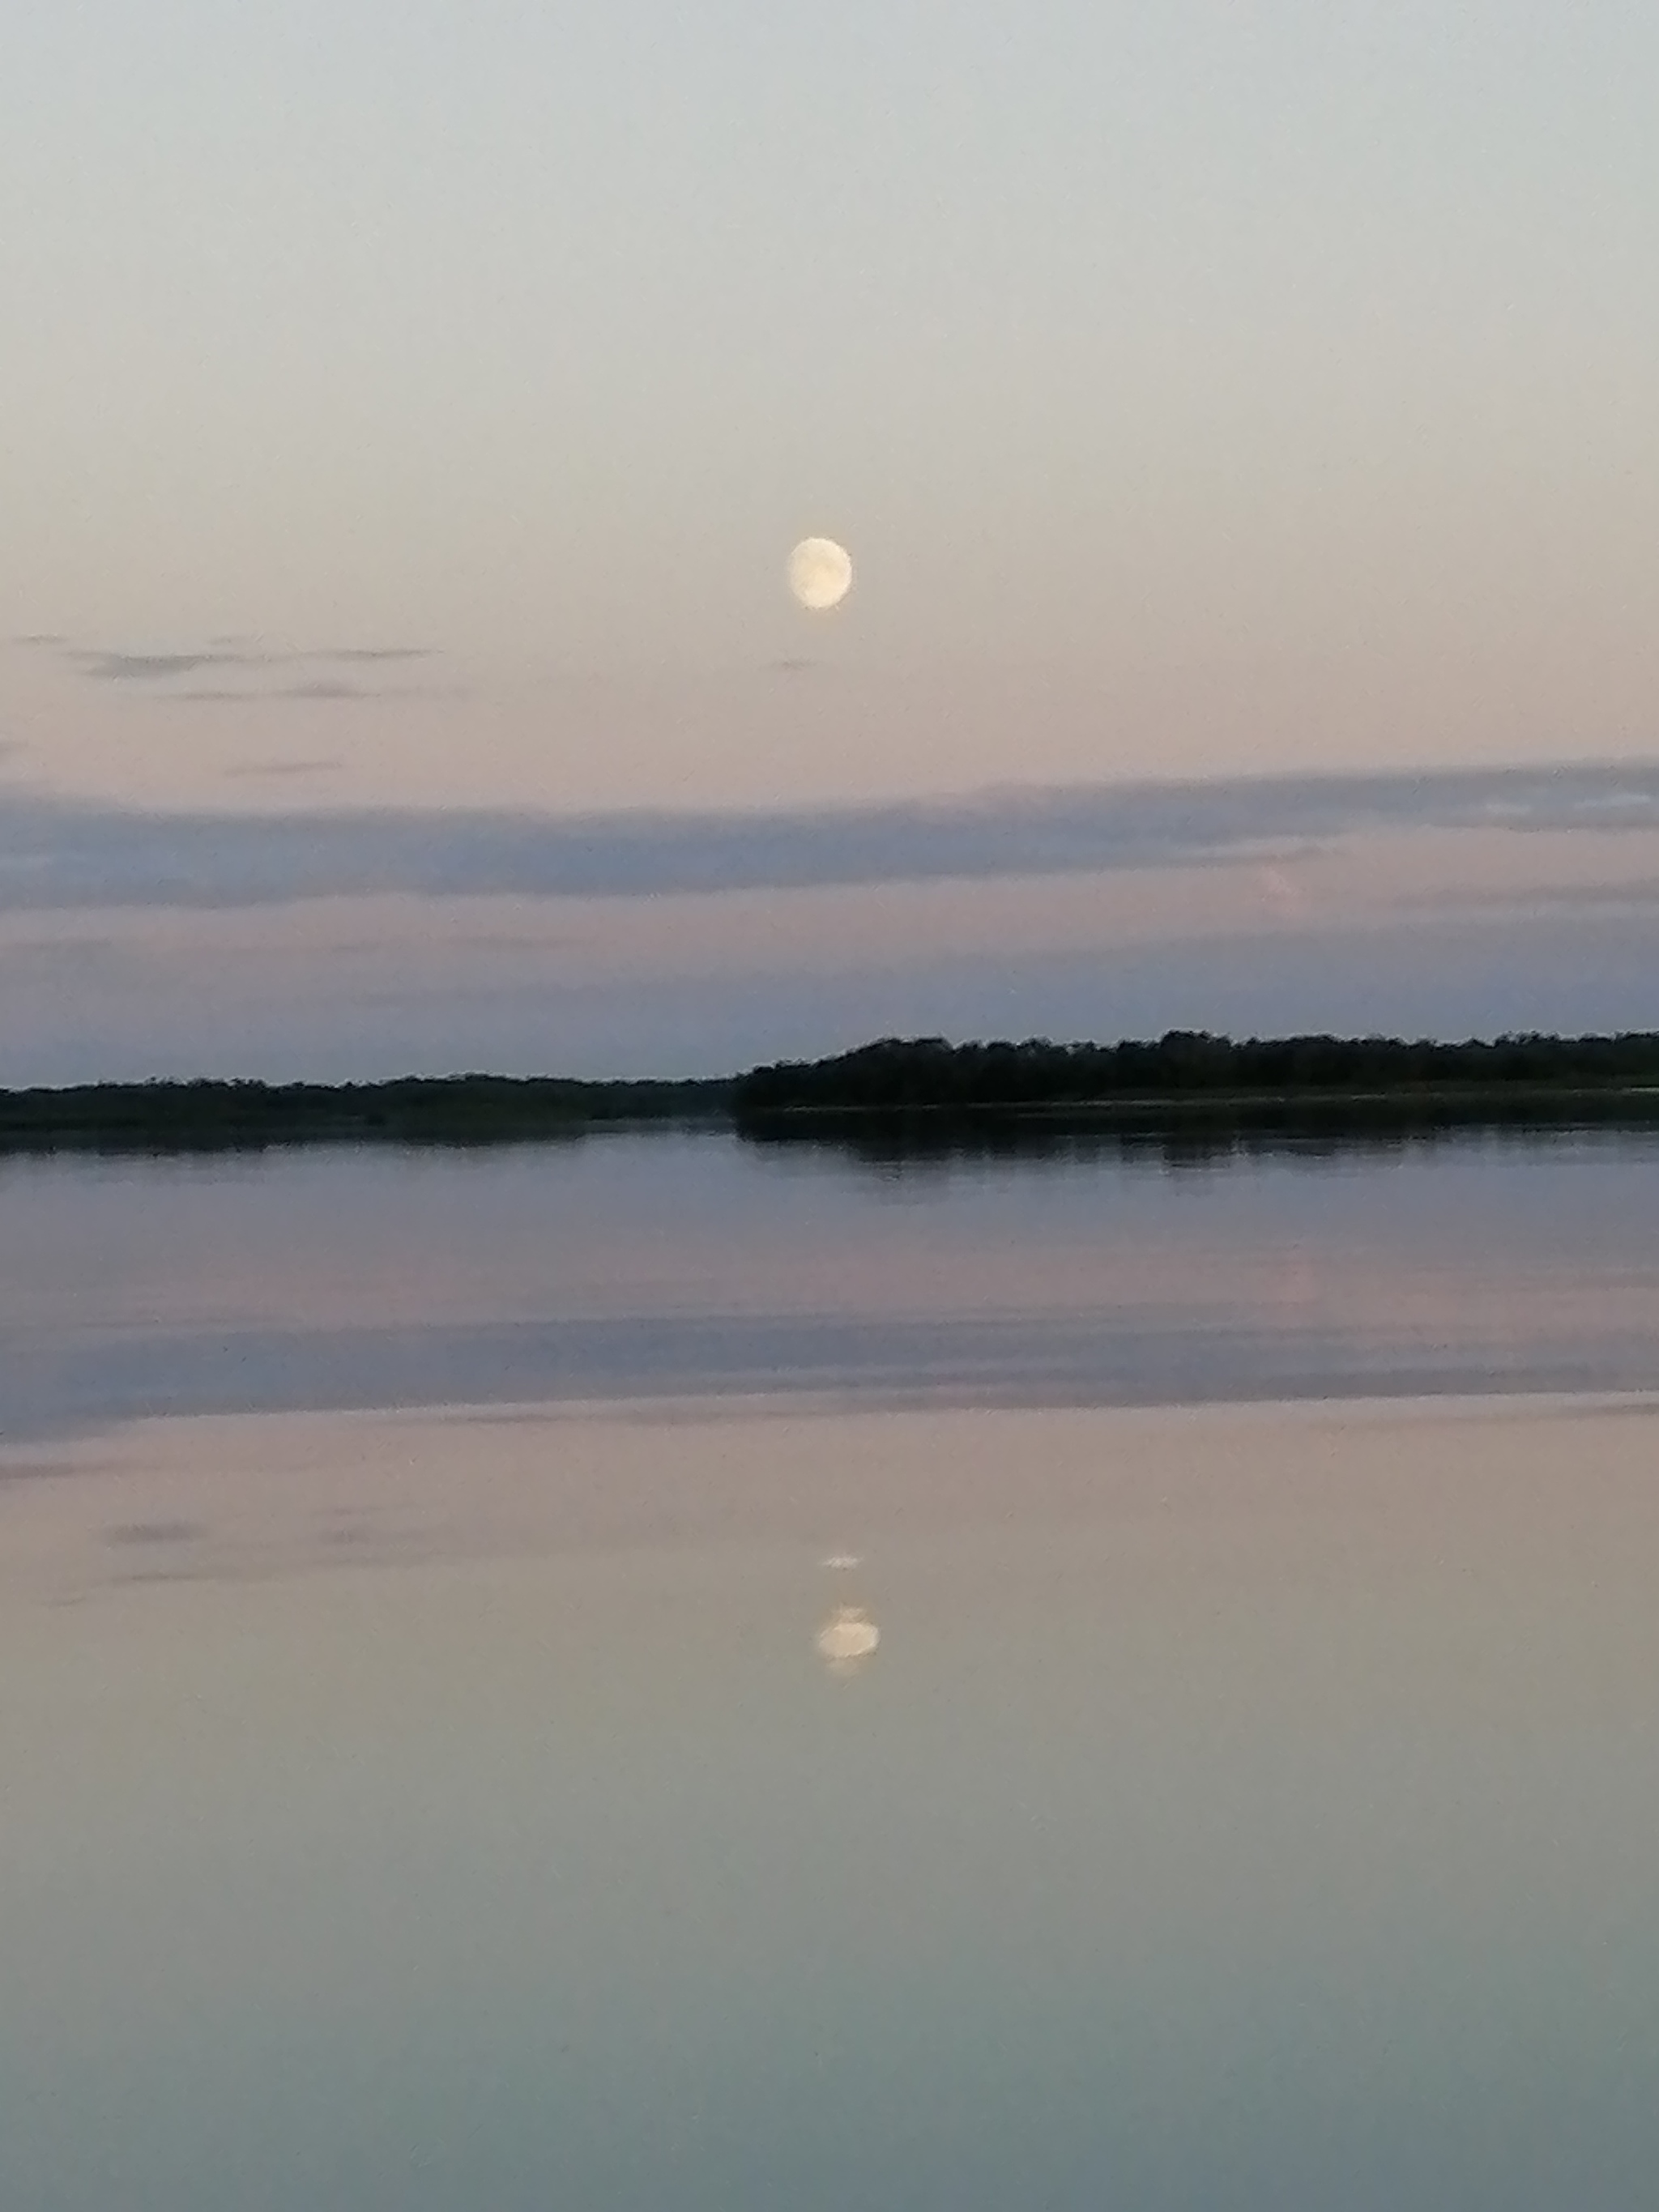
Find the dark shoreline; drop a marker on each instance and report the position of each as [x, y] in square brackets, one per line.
[917, 1094]
[456, 1111]
[1193, 1129]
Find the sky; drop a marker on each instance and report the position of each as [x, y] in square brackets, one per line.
[406, 413]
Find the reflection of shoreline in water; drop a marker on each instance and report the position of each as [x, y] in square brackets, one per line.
[1199, 1133]
[847, 1640]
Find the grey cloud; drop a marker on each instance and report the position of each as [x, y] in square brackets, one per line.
[105, 667]
[320, 688]
[154, 1532]
[1643, 891]
[60, 852]
[1619, 896]
[70, 961]
[220, 695]
[123, 667]
[315, 688]
[374, 653]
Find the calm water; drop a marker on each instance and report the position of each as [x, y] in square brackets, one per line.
[666, 1265]
[649, 1675]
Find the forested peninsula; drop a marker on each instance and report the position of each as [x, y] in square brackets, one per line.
[923, 1083]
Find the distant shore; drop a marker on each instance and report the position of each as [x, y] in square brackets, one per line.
[456, 1110]
[925, 1093]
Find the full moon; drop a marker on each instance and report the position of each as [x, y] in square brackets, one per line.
[820, 573]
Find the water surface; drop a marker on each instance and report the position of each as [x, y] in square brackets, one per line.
[652, 1674]
[630, 1265]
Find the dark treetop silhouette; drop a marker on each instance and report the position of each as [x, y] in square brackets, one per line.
[928, 1075]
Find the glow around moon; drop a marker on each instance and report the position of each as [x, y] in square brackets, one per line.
[820, 574]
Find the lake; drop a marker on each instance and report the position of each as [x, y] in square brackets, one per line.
[653, 1672]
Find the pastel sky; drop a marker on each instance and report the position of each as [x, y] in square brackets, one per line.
[411, 409]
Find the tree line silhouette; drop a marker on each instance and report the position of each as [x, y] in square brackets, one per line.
[1150, 1082]
[207, 1115]
[898, 1075]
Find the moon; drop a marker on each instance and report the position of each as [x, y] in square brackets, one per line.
[820, 574]
[847, 1639]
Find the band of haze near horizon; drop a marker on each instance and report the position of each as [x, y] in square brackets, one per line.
[411, 414]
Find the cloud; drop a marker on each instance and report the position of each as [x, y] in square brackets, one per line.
[1638, 892]
[325, 688]
[1619, 895]
[318, 688]
[154, 1532]
[373, 653]
[108, 667]
[284, 767]
[125, 667]
[70, 960]
[58, 852]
